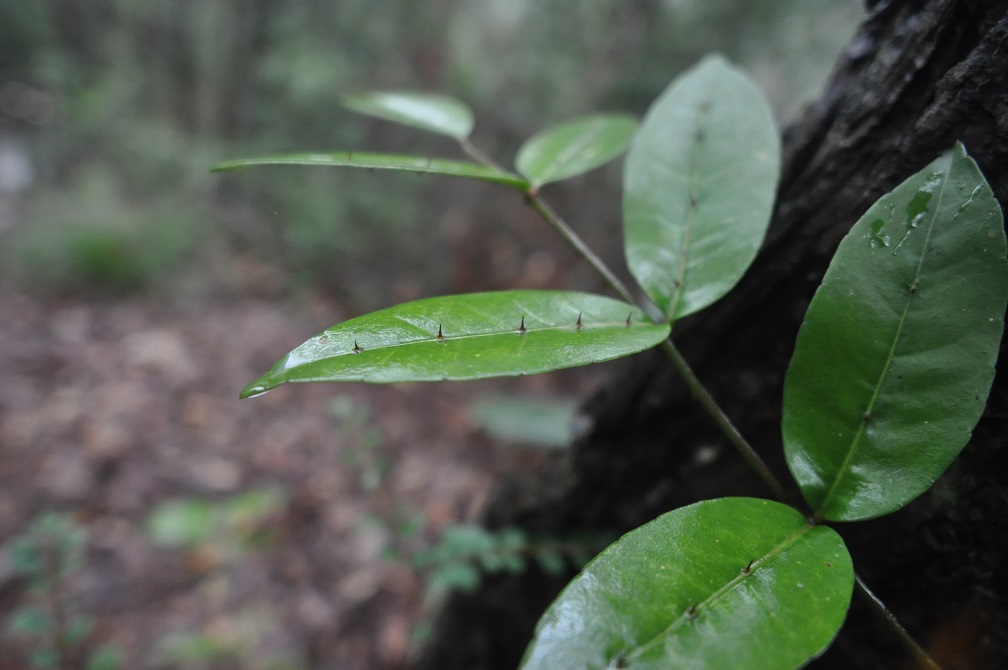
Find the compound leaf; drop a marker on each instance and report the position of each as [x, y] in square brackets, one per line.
[472, 336]
[728, 583]
[427, 111]
[895, 359]
[574, 147]
[699, 187]
[379, 161]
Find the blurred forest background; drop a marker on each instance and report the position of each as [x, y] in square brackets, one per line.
[111, 113]
[139, 293]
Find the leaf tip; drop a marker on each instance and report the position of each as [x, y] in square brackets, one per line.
[256, 389]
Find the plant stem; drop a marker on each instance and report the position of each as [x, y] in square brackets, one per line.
[579, 245]
[919, 655]
[699, 391]
[474, 152]
[560, 226]
[707, 401]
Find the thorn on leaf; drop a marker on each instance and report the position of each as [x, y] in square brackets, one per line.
[628, 319]
[748, 569]
[578, 323]
[440, 335]
[521, 328]
[356, 347]
[691, 611]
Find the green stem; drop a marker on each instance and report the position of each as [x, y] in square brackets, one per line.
[474, 152]
[699, 391]
[707, 401]
[919, 655]
[579, 245]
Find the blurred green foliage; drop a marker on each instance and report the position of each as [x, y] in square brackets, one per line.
[542, 421]
[120, 106]
[48, 555]
[225, 527]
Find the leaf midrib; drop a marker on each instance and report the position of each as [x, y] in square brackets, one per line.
[380, 161]
[472, 336]
[691, 215]
[711, 600]
[863, 424]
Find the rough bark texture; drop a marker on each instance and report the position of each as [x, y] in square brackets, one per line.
[918, 76]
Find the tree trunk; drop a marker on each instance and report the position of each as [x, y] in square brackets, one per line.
[918, 76]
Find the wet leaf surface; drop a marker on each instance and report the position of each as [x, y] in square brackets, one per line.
[894, 361]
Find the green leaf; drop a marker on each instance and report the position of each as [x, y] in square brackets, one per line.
[106, 657]
[427, 111]
[574, 147]
[699, 187]
[26, 557]
[77, 629]
[44, 657]
[482, 335]
[550, 562]
[376, 161]
[894, 361]
[461, 576]
[251, 508]
[727, 583]
[545, 421]
[30, 621]
[184, 522]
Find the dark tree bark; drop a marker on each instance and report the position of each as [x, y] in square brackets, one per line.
[918, 76]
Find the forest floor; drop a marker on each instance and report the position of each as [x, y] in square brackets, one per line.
[227, 533]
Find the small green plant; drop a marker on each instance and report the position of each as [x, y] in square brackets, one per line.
[217, 535]
[461, 553]
[48, 554]
[223, 529]
[890, 372]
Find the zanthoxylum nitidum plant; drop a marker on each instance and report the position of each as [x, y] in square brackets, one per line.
[890, 372]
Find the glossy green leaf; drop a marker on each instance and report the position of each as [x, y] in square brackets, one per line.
[374, 161]
[894, 361]
[699, 187]
[472, 336]
[427, 111]
[728, 583]
[574, 147]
